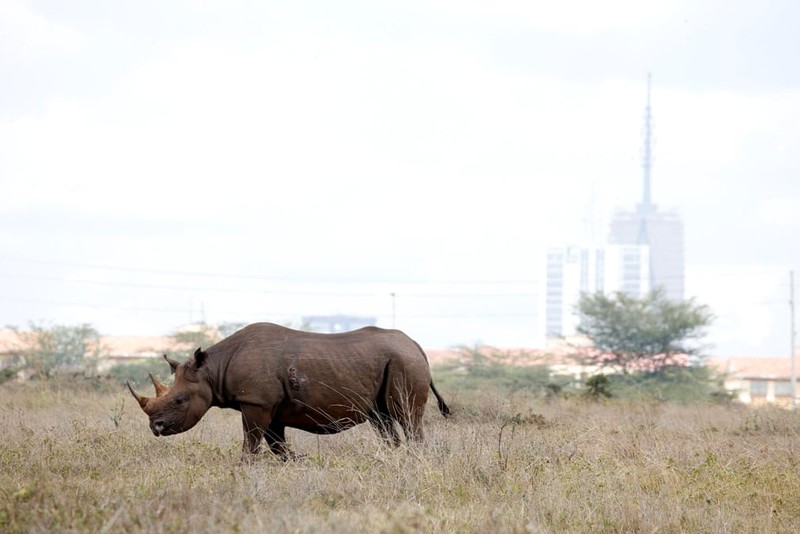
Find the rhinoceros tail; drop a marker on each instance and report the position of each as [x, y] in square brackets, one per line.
[440, 401]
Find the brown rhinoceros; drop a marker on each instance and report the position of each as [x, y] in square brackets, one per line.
[278, 377]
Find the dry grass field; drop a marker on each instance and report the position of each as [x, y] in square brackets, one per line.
[73, 460]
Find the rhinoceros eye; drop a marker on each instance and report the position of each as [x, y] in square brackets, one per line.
[181, 399]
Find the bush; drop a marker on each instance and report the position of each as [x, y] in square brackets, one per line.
[478, 373]
[137, 372]
[597, 387]
[9, 373]
[677, 384]
[483, 368]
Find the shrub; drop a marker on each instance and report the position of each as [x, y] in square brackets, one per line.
[137, 372]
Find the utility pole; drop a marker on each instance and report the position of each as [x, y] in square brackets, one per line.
[793, 354]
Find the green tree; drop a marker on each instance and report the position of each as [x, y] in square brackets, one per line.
[53, 348]
[188, 339]
[642, 334]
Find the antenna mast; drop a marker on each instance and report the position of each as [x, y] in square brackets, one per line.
[647, 156]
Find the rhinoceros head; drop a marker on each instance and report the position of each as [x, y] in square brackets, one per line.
[179, 407]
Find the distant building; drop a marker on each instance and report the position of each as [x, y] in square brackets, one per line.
[662, 232]
[757, 380]
[572, 271]
[331, 324]
[644, 251]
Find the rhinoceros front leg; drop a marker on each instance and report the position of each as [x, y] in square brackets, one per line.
[253, 434]
[258, 424]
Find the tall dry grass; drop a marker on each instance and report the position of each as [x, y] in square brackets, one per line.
[73, 460]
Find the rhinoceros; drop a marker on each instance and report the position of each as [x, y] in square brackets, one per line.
[278, 377]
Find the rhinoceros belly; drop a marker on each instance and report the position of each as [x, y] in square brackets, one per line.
[321, 419]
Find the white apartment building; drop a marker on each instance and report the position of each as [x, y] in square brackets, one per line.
[571, 271]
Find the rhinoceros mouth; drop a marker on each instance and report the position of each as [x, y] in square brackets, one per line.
[163, 429]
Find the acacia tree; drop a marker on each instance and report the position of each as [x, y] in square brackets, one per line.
[51, 348]
[642, 334]
[185, 341]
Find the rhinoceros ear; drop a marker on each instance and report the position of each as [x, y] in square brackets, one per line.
[199, 358]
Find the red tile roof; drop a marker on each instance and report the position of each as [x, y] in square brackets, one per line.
[755, 367]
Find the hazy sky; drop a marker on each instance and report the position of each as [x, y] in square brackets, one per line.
[163, 162]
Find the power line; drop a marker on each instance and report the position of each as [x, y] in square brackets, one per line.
[388, 281]
[94, 306]
[258, 291]
[268, 314]
[181, 288]
[240, 276]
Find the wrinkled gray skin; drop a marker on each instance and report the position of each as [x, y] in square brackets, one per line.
[321, 383]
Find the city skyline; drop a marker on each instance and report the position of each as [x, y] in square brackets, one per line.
[240, 162]
[643, 251]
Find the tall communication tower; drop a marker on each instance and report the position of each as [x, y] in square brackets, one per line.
[644, 251]
[647, 205]
[660, 231]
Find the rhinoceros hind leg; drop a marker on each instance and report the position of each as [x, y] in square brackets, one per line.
[406, 405]
[412, 424]
[384, 424]
[276, 441]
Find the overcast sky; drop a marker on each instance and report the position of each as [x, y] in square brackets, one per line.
[166, 162]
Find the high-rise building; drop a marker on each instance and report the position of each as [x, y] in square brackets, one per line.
[572, 271]
[662, 233]
[644, 251]
[646, 225]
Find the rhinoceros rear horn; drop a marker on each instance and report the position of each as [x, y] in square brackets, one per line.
[172, 363]
[161, 389]
[141, 400]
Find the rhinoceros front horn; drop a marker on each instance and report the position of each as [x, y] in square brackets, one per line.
[141, 400]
